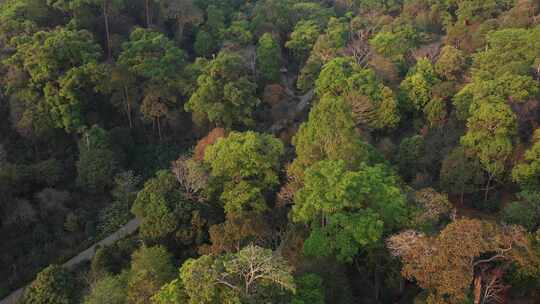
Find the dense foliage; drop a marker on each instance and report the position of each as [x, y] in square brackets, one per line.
[270, 151]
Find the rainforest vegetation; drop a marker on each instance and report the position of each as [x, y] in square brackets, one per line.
[271, 151]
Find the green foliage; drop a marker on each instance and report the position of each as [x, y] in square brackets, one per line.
[268, 59]
[527, 174]
[238, 33]
[347, 210]
[53, 285]
[160, 207]
[96, 165]
[151, 55]
[249, 276]
[417, 86]
[245, 165]
[110, 289]
[395, 43]
[329, 134]
[460, 173]
[490, 135]
[451, 63]
[372, 103]
[224, 95]
[303, 39]
[410, 151]
[151, 268]
[310, 290]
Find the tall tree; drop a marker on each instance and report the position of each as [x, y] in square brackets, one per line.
[347, 210]
[489, 137]
[225, 95]
[245, 165]
[268, 59]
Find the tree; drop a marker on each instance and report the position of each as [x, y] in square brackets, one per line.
[53, 285]
[236, 232]
[411, 149]
[60, 65]
[460, 173]
[372, 103]
[151, 55]
[417, 86]
[97, 164]
[151, 268]
[329, 134]
[489, 137]
[183, 12]
[245, 165]
[224, 94]
[395, 43]
[268, 59]
[445, 265]
[110, 289]
[347, 210]
[303, 39]
[161, 208]
[310, 289]
[432, 207]
[451, 63]
[248, 276]
[527, 174]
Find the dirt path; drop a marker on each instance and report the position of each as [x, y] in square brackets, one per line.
[85, 255]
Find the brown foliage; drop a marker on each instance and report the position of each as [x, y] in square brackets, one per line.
[191, 176]
[207, 141]
[445, 264]
[274, 94]
[235, 233]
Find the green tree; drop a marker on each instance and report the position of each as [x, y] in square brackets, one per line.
[451, 63]
[245, 165]
[97, 164]
[110, 289]
[460, 173]
[527, 173]
[59, 65]
[303, 39]
[372, 103]
[395, 43]
[417, 86]
[489, 137]
[161, 208]
[347, 210]
[310, 290]
[152, 56]
[224, 95]
[151, 268]
[53, 285]
[329, 134]
[249, 276]
[268, 59]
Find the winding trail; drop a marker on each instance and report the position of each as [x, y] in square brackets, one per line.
[86, 255]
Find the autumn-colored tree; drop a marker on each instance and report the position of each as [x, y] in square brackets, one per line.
[445, 265]
[53, 284]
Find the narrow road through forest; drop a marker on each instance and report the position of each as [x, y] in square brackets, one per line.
[86, 255]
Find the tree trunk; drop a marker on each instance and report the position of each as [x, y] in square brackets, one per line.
[147, 12]
[488, 187]
[477, 289]
[107, 30]
[159, 128]
[179, 30]
[128, 107]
